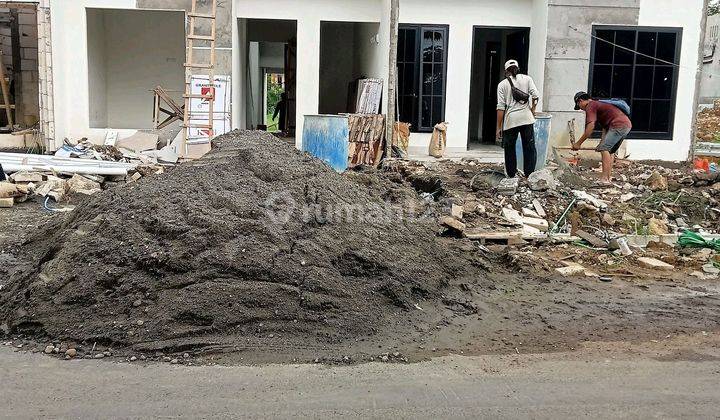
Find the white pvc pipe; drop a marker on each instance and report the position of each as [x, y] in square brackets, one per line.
[73, 169]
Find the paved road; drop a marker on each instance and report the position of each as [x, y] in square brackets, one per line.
[580, 384]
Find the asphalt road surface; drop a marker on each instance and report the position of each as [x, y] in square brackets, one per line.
[656, 379]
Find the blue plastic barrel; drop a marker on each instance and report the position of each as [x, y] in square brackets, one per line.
[327, 137]
[542, 138]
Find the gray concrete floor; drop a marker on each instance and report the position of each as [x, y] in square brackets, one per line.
[602, 383]
[481, 153]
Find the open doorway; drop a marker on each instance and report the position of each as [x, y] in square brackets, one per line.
[271, 76]
[492, 46]
[349, 51]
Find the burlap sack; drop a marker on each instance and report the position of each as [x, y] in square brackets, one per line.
[438, 142]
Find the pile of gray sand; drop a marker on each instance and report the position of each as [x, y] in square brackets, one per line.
[256, 239]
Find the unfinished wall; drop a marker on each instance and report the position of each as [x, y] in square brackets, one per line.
[19, 46]
[710, 87]
[139, 50]
[97, 68]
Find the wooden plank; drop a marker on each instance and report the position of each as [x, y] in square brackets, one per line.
[6, 95]
[392, 76]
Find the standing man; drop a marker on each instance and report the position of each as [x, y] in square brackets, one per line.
[281, 110]
[517, 99]
[615, 126]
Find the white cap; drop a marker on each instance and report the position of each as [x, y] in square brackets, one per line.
[511, 63]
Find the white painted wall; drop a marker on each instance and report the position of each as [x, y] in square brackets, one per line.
[462, 16]
[97, 68]
[370, 58]
[667, 13]
[70, 66]
[137, 50]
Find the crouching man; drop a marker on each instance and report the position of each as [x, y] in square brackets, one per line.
[615, 126]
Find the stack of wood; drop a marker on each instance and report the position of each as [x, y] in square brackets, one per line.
[367, 138]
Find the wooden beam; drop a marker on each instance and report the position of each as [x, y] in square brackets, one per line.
[6, 95]
[392, 77]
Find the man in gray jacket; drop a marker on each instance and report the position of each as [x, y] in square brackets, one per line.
[517, 117]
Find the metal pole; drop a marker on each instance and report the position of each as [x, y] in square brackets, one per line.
[392, 77]
[698, 79]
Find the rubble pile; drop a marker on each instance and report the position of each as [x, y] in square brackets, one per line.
[560, 216]
[84, 168]
[708, 124]
[254, 241]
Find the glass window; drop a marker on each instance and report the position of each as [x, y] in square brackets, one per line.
[640, 66]
[422, 69]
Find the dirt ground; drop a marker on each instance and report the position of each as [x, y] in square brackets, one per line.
[511, 306]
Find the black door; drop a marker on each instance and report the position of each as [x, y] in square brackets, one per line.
[493, 72]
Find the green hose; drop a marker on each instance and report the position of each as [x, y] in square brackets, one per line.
[693, 240]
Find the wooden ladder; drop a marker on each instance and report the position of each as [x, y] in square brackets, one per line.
[192, 38]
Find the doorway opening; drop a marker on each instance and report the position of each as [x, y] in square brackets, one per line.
[492, 47]
[349, 51]
[271, 76]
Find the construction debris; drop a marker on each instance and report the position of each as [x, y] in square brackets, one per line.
[252, 241]
[640, 215]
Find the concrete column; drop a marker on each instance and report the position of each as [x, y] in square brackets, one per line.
[538, 47]
[457, 97]
[308, 70]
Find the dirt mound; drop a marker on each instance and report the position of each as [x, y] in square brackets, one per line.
[255, 240]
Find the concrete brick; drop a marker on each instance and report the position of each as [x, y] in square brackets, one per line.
[29, 65]
[27, 19]
[28, 53]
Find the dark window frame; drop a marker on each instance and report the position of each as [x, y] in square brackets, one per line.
[418, 81]
[650, 135]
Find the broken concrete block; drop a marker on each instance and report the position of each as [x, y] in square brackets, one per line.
[6, 203]
[54, 187]
[530, 213]
[573, 270]
[539, 208]
[139, 142]
[655, 264]
[657, 182]
[457, 211]
[627, 197]
[592, 239]
[25, 176]
[135, 177]
[508, 186]
[584, 196]
[8, 190]
[711, 269]
[452, 223]
[512, 216]
[542, 180]
[608, 220]
[657, 227]
[78, 184]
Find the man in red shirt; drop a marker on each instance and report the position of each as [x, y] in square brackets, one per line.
[615, 127]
